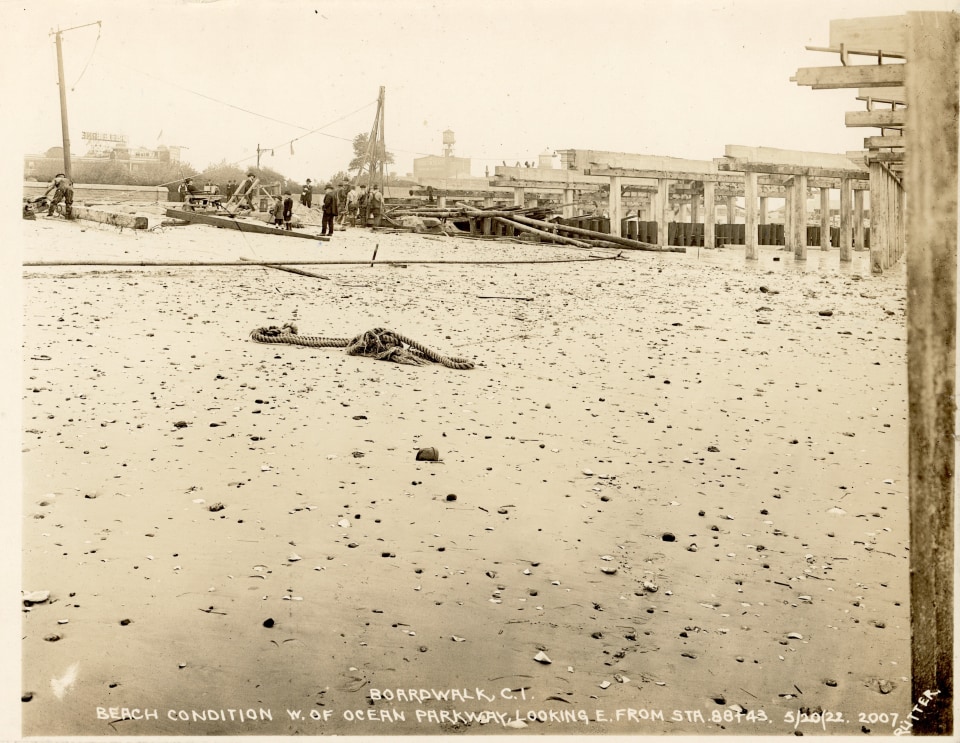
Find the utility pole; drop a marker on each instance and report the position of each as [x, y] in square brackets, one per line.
[65, 129]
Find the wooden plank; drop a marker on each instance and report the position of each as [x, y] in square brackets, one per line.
[886, 118]
[877, 32]
[852, 76]
[933, 89]
[240, 225]
[888, 140]
[132, 221]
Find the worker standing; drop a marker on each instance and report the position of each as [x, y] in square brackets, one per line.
[362, 206]
[352, 201]
[306, 195]
[329, 210]
[376, 205]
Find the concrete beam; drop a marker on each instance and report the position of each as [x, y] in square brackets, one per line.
[887, 157]
[883, 118]
[733, 164]
[852, 76]
[673, 175]
[888, 33]
[779, 156]
[877, 143]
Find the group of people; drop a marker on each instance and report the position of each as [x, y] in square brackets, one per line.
[346, 202]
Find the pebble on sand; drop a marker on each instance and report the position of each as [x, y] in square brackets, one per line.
[35, 597]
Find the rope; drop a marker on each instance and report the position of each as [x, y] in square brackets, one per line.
[378, 343]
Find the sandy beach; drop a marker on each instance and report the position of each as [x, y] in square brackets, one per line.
[672, 495]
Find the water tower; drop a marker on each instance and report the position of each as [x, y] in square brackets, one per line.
[448, 141]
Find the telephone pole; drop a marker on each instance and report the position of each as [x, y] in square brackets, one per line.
[65, 128]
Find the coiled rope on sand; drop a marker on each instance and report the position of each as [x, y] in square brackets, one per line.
[378, 343]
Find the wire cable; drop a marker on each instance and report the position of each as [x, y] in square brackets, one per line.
[90, 58]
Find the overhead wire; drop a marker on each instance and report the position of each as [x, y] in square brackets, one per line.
[90, 58]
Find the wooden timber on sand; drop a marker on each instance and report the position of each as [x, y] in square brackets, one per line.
[240, 224]
[131, 221]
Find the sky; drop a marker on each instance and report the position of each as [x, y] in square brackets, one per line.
[511, 79]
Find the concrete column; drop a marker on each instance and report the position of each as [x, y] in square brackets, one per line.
[902, 220]
[488, 201]
[788, 217]
[879, 234]
[933, 98]
[731, 209]
[846, 231]
[824, 219]
[663, 211]
[519, 197]
[800, 217]
[859, 233]
[750, 227]
[569, 205]
[442, 202]
[763, 210]
[616, 206]
[709, 214]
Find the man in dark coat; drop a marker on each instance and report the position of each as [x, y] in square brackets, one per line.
[329, 210]
[306, 195]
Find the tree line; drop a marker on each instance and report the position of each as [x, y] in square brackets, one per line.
[170, 174]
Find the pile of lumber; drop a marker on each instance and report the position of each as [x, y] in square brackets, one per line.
[519, 222]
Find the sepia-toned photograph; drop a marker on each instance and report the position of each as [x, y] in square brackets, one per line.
[442, 369]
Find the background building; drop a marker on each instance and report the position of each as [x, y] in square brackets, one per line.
[445, 167]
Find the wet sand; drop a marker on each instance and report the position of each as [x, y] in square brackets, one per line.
[684, 494]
